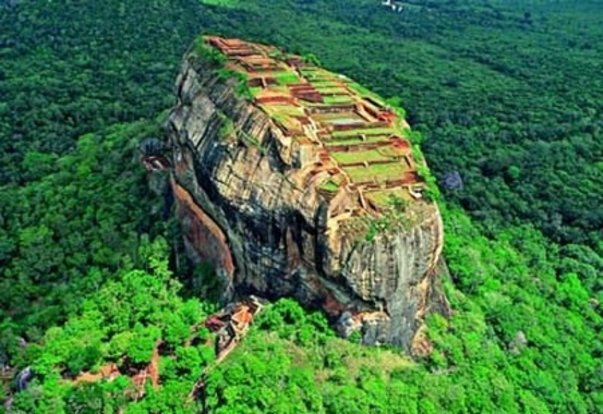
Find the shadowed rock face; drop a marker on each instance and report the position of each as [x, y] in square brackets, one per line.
[247, 206]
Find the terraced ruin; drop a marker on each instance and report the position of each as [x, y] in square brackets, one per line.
[293, 181]
[349, 138]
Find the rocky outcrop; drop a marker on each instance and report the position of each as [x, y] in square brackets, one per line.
[249, 205]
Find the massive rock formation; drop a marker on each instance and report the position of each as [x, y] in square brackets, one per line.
[293, 181]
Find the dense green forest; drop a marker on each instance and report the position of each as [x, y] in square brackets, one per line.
[509, 94]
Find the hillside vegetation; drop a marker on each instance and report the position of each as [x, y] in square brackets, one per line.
[508, 94]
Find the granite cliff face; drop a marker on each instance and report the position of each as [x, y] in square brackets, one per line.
[280, 212]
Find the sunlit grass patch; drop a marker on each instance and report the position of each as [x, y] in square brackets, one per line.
[384, 198]
[363, 131]
[380, 172]
[332, 90]
[359, 156]
[330, 186]
[338, 99]
[286, 78]
[355, 140]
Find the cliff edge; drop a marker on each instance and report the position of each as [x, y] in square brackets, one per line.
[294, 181]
